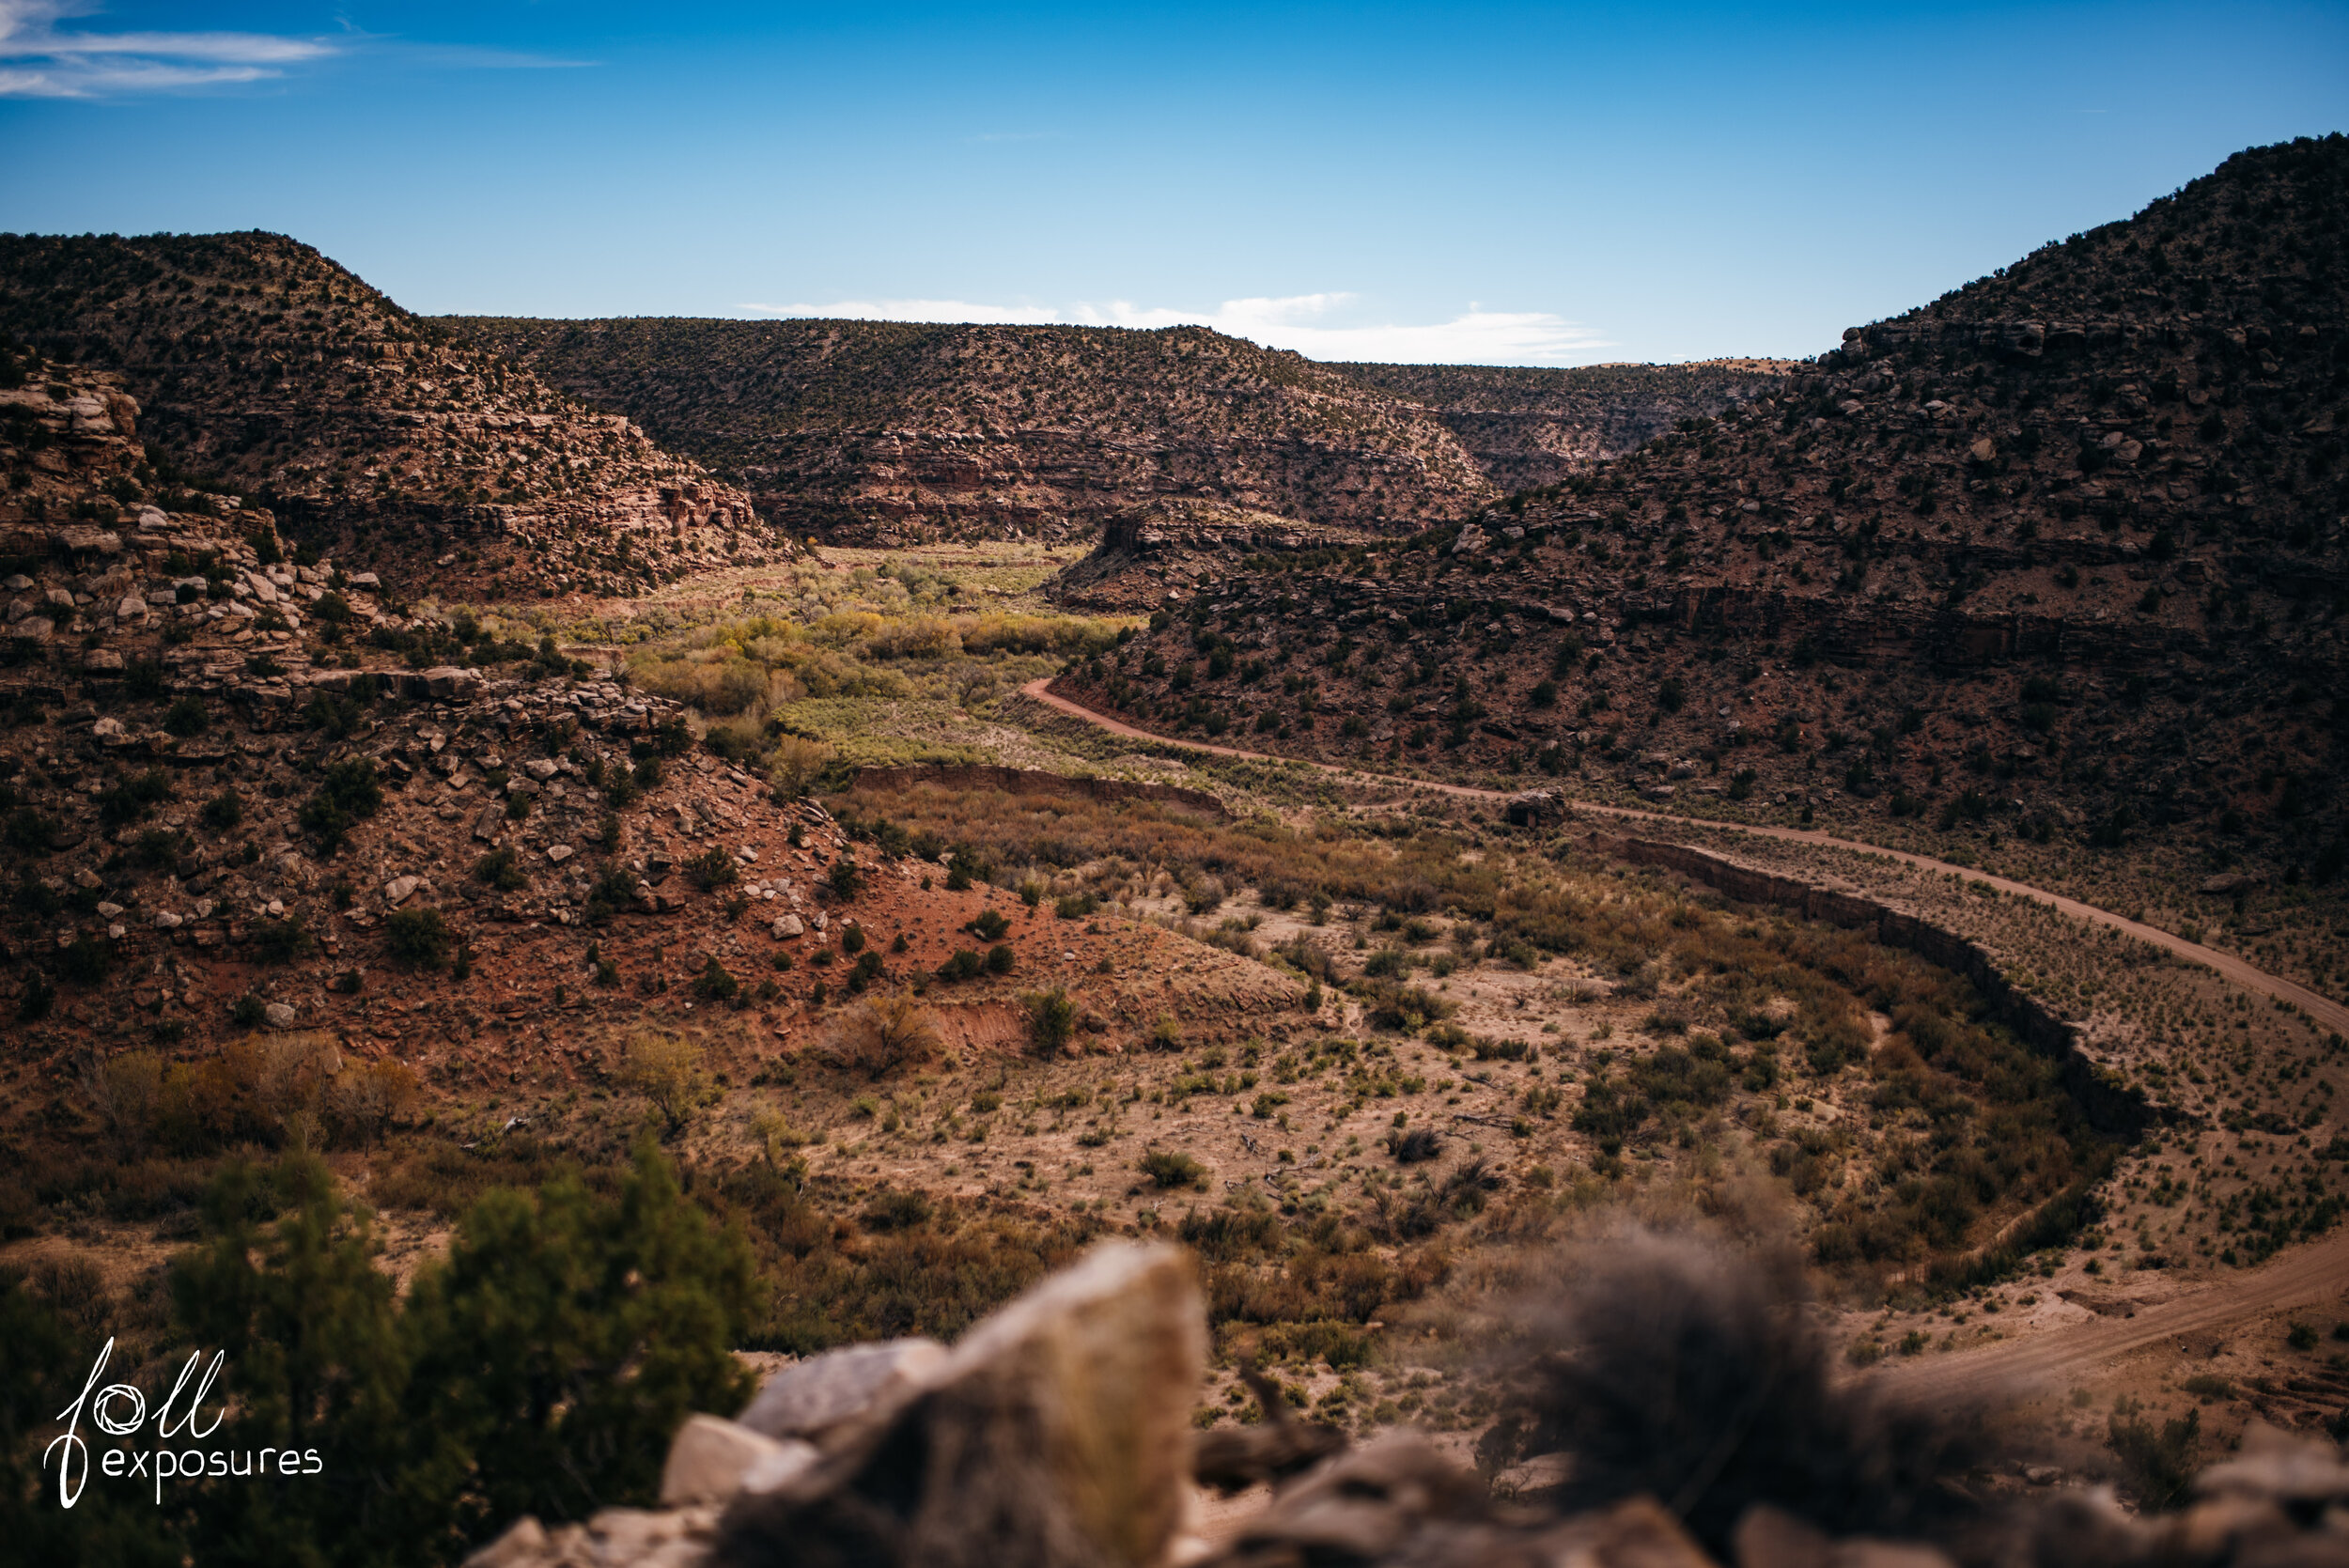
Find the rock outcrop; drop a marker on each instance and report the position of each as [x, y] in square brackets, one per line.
[267, 372]
[1164, 551]
[878, 432]
[1527, 428]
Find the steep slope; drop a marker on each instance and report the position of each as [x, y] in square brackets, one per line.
[227, 803]
[272, 372]
[1526, 427]
[877, 431]
[2062, 552]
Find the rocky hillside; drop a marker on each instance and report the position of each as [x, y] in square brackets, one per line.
[1164, 550]
[2062, 551]
[236, 791]
[270, 372]
[1526, 427]
[879, 432]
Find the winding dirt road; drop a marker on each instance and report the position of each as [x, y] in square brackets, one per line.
[2317, 1272]
[2323, 1010]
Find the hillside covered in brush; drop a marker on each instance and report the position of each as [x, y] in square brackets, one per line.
[882, 432]
[266, 371]
[2058, 556]
[1526, 427]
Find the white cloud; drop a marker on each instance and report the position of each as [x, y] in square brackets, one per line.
[916, 310]
[1313, 325]
[38, 61]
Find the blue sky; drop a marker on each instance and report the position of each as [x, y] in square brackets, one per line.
[1503, 184]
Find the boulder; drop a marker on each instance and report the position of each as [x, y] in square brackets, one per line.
[1397, 1499]
[1057, 1434]
[2274, 1465]
[710, 1460]
[1534, 807]
[84, 541]
[279, 1014]
[395, 891]
[807, 1400]
[612, 1538]
[789, 926]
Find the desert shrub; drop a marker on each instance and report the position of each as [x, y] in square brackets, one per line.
[896, 1209]
[1051, 1020]
[962, 964]
[713, 868]
[1226, 1234]
[989, 925]
[281, 941]
[349, 793]
[84, 961]
[1414, 1147]
[31, 830]
[1000, 959]
[129, 800]
[1389, 1005]
[715, 982]
[2160, 1466]
[883, 1033]
[362, 1102]
[126, 1092]
[846, 878]
[224, 810]
[417, 938]
[502, 869]
[186, 717]
[794, 763]
[1172, 1169]
[665, 1069]
[739, 739]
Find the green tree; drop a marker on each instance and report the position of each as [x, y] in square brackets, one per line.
[315, 1358]
[108, 1526]
[542, 1367]
[567, 1337]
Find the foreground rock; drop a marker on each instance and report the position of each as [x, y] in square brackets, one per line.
[1057, 1434]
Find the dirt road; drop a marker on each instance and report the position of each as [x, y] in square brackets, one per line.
[2315, 1273]
[2323, 1010]
[2304, 1276]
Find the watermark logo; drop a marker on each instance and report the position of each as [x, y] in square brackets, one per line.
[171, 1448]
